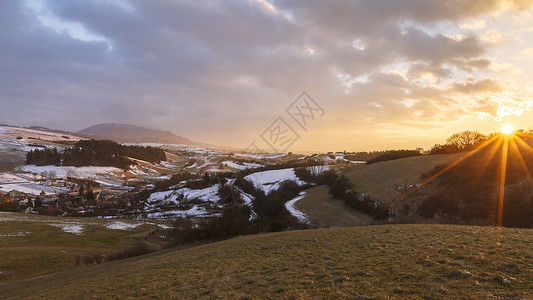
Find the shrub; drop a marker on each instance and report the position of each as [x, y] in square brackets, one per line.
[138, 248]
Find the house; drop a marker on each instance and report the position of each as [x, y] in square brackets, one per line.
[101, 204]
[53, 211]
[5, 198]
[112, 201]
[49, 200]
[18, 197]
[50, 182]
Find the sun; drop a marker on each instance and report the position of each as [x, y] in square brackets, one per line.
[507, 129]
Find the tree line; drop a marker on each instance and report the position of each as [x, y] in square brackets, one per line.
[468, 140]
[341, 188]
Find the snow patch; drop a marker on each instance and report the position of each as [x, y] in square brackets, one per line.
[291, 207]
[209, 194]
[240, 165]
[119, 225]
[20, 233]
[76, 229]
[271, 180]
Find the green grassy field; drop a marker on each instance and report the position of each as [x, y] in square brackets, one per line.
[6, 167]
[380, 179]
[32, 245]
[393, 261]
[323, 210]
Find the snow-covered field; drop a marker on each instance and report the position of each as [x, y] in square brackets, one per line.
[209, 197]
[16, 142]
[262, 155]
[81, 172]
[33, 188]
[13, 177]
[171, 197]
[26, 133]
[208, 194]
[195, 211]
[109, 176]
[270, 180]
[26, 179]
[26, 183]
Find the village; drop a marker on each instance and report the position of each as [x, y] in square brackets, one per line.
[71, 196]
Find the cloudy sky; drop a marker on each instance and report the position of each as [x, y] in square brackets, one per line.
[385, 74]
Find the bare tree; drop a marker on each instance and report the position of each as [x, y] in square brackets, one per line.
[52, 175]
[71, 173]
[466, 139]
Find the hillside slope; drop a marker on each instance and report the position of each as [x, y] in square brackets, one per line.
[125, 133]
[381, 179]
[322, 210]
[404, 261]
[33, 245]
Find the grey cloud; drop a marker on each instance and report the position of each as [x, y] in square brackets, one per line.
[200, 68]
[419, 69]
[487, 85]
[418, 45]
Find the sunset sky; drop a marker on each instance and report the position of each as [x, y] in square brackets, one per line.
[386, 74]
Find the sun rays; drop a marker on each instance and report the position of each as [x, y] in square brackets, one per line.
[508, 144]
[503, 176]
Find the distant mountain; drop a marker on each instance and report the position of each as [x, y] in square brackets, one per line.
[125, 133]
[41, 128]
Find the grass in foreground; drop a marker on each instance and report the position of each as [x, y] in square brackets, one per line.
[403, 261]
[30, 246]
[323, 210]
[379, 180]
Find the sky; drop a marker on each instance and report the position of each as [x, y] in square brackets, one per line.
[298, 75]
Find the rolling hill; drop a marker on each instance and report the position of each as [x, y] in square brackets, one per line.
[125, 133]
[380, 180]
[402, 261]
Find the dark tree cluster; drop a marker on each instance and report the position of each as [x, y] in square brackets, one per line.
[270, 208]
[365, 156]
[43, 157]
[79, 157]
[96, 153]
[394, 154]
[229, 195]
[234, 222]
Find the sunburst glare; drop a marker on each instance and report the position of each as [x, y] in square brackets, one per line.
[507, 129]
